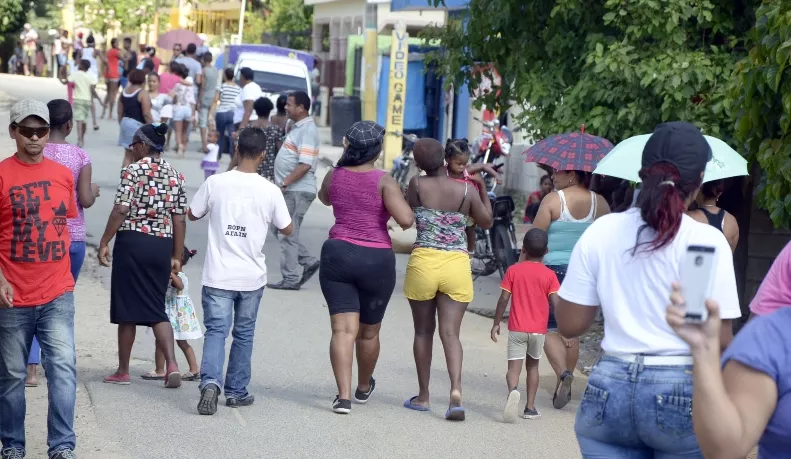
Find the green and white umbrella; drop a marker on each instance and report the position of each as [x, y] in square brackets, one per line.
[624, 161]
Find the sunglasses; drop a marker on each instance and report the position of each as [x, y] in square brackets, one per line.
[131, 145]
[29, 132]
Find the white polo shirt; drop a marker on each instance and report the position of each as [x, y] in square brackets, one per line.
[634, 291]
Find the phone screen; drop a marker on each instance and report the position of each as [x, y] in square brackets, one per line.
[697, 279]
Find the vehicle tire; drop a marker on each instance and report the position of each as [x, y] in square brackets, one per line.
[501, 246]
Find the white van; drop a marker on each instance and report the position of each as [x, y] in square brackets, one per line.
[275, 74]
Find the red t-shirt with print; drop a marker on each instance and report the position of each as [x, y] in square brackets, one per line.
[36, 201]
[530, 284]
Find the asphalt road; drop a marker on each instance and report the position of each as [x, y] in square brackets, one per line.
[292, 378]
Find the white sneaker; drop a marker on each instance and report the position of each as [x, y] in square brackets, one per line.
[511, 411]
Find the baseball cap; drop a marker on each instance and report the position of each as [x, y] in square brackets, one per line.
[681, 144]
[364, 134]
[29, 107]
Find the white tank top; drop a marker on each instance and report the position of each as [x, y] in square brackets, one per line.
[89, 55]
[565, 215]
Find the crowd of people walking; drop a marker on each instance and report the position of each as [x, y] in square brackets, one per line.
[577, 261]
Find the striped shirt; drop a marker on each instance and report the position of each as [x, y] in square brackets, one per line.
[228, 95]
[300, 147]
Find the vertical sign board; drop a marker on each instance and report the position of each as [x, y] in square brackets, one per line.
[396, 93]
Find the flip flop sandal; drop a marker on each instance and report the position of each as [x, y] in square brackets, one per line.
[173, 380]
[152, 376]
[410, 404]
[31, 384]
[189, 376]
[96, 128]
[455, 413]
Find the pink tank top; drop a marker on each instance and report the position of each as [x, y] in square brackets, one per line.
[360, 213]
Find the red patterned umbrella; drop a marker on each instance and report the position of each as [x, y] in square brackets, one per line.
[574, 151]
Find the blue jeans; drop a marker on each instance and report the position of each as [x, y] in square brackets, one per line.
[53, 323]
[77, 258]
[221, 310]
[633, 411]
[224, 122]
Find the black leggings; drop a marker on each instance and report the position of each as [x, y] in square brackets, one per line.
[355, 278]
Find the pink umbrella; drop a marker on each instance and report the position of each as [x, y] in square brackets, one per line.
[181, 37]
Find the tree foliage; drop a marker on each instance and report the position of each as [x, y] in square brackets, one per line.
[12, 18]
[286, 22]
[100, 15]
[618, 66]
[761, 92]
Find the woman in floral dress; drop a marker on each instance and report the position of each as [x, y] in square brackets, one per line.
[148, 224]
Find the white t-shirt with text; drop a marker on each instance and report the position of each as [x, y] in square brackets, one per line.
[251, 91]
[634, 291]
[240, 206]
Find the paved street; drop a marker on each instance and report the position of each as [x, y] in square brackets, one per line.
[292, 378]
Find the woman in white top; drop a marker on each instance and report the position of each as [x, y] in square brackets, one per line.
[565, 214]
[89, 54]
[184, 112]
[638, 402]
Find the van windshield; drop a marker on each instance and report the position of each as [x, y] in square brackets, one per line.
[278, 83]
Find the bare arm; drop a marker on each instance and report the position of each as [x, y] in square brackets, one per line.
[120, 111]
[287, 230]
[296, 174]
[175, 281]
[602, 208]
[324, 192]
[84, 188]
[731, 231]
[179, 233]
[544, 215]
[145, 103]
[481, 208]
[732, 406]
[573, 319]
[116, 219]
[248, 112]
[395, 203]
[502, 303]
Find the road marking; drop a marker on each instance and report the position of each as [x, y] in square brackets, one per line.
[239, 417]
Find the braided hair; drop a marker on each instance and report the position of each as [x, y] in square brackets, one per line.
[456, 147]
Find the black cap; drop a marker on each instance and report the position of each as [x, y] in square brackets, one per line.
[681, 144]
[364, 134]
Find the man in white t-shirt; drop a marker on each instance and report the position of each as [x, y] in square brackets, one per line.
[241, 205]
[251, 92]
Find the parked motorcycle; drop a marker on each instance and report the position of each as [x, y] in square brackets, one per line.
[402, 165]
[493, 146]
[495, 248]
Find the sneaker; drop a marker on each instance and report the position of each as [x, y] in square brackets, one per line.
[531, 414]
[308, 272]
[236, 402]
[12, 453]
[207, 405]
[341, 406]
[64, 454]
[283, 286]
[119, 379]
[511, 411]
[362, 397]
[563, 391]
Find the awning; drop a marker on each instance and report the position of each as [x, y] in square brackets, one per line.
[401, 5]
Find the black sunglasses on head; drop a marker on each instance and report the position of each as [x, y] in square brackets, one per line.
[29, 132]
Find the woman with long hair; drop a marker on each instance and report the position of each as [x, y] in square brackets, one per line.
[357, 273]
[638, 402]
[708, 212]
[148, 224]
[565, 214]
[134, 110]
[183, 107]
[438, 280]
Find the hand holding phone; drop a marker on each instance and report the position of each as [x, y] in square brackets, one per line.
[697, 281]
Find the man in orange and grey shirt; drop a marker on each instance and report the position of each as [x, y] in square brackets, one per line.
[295, 174]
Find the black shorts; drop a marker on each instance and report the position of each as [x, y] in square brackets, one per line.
[560, 272]
[355, 278]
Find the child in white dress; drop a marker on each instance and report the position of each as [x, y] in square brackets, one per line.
[184, 321]
[209, 164]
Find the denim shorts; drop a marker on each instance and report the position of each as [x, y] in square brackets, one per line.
[635, 410]
[560, 272]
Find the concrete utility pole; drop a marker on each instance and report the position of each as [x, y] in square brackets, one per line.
[241, 20]
[370, 51]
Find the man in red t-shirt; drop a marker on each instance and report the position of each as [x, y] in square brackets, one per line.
[531, 286]
[36, 199]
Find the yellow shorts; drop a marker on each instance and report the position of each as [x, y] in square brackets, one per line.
[430, 271]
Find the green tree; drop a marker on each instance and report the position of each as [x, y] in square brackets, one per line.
[12, 18]
[761, 92]
[285, 22]
[99, 15]
[618, 66]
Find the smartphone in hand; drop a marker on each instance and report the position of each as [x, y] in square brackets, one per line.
[697, 281]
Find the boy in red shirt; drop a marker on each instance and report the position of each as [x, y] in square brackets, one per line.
[532, 286]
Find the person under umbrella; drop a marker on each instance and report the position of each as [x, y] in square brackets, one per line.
[565, 214]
